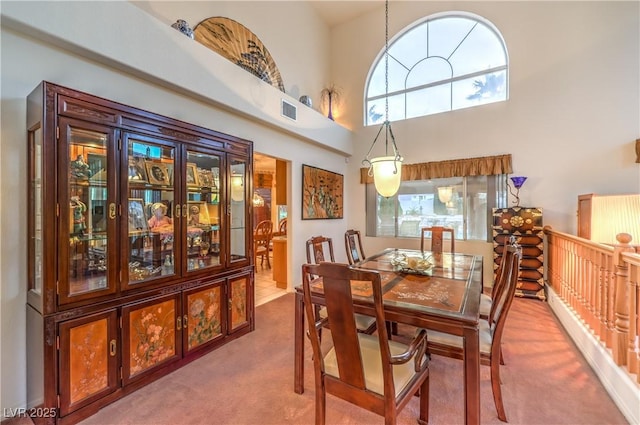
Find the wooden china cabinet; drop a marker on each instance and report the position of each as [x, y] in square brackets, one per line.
[139, 248]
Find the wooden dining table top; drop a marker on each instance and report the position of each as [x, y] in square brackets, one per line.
[449, 289]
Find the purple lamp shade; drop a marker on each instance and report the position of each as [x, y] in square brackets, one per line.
[518, 181]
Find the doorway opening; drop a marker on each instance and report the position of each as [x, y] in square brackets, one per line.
[269, 203]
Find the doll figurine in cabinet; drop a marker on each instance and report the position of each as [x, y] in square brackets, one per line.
[159, 219]
[78, 208]
[79, 168]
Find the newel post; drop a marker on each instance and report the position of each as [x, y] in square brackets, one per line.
[621, 298]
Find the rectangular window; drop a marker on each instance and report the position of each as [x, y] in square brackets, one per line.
[463, 203]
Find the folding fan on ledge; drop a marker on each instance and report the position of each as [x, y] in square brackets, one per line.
[236, 43]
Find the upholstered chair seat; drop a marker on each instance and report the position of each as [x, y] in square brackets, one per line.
[370, 351]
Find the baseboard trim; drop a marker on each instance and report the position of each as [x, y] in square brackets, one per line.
[622, 389]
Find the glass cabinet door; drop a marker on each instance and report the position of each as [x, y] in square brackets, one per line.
[151, 216]
[202, 210]
[87, 211]
[238, 188]
[36, 219]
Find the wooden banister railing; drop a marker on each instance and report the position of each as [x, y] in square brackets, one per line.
[601, 284]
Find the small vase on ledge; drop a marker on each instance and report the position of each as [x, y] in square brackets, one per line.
[182, 26]
[330, 94]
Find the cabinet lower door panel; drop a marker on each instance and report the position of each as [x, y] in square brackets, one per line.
[239, 302]
[203, 320]
[88, 360]
[151, 332]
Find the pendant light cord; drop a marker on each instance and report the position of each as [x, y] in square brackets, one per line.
[387, 124]
[386, 61]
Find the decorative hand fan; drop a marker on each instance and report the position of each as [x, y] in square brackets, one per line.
[236, 43]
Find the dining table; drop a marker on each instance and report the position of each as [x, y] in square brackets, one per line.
[434, 291]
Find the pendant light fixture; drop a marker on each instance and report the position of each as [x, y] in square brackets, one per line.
[386, 170]
[258, 201]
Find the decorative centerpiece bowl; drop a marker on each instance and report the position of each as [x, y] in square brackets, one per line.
[412, 264]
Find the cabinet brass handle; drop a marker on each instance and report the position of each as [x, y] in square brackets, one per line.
[229, 304]
[112, 210]
[112, 348]
[184, 321]
[179, 323]
[184, 210]
[178, 210]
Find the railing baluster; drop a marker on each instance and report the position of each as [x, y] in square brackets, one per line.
[601, 284]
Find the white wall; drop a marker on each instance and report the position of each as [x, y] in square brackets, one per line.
[572, 116]
[137, 60]
[570, 123]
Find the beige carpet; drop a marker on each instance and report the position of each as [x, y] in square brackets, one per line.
[250, 381]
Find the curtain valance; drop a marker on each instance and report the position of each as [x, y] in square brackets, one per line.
[481, 166]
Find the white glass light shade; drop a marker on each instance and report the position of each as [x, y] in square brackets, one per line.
[445, 193]
[387, 173]
[258, 201]
[237, 188]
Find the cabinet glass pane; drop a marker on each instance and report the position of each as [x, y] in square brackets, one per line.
[237, 208]
[36, 211]
[203, 210]
[150, 212]
[87, 222]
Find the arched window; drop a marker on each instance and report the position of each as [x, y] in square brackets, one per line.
[444, 62]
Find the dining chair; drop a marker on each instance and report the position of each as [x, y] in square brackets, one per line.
[491, 330]
[261, 240]
[355, 254]
[437, 238]
[353, 245]
[369, 371]
[319, 249]
[485, 299]
[282, 227]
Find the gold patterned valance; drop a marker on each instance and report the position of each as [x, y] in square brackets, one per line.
[482, 166]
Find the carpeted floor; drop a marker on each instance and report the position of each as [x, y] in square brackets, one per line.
[250, 381]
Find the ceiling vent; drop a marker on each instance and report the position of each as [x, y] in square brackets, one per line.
[289, 110]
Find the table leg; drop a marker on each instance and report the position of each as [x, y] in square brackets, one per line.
[471, 376]
[298, 338]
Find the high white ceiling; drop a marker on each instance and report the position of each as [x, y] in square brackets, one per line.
[335, 12]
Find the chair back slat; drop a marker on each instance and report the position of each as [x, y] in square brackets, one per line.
[318, 249]
[437, 238]
[505, 294]
[353, 246]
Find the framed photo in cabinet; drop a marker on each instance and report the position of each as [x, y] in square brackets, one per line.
[158, 173]
[137, 217]
[137, 170]
[205, 178]
[192, 174]
[198, 213]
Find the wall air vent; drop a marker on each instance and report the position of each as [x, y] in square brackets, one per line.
[289, 110]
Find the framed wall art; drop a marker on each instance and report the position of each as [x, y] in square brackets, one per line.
[322, 194]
